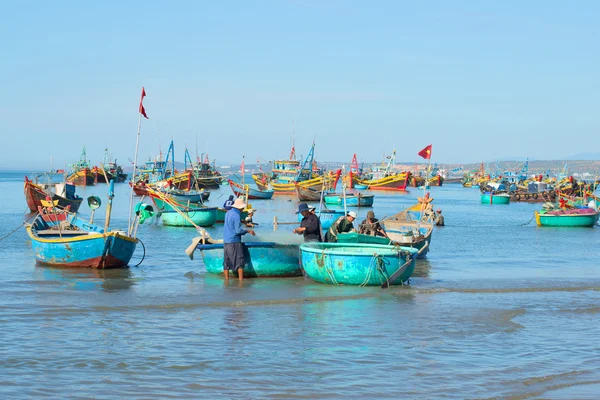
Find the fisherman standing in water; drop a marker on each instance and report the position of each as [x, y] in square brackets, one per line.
[234, 250]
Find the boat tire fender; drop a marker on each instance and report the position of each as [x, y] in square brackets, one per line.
[517, 197]
[526, 196]
[535, 196]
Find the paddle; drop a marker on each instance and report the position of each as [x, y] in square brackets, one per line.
[402, 269]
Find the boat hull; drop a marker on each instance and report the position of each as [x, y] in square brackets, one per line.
[396, 182]
[83, 177]
[332, 198]
[570, 220]
[221, 215]
[487, 198]
[358, 200]
[34, 194]
[356, 264]
[204, 217]
[264, 259]
[253, 194]
[113, 250]
[353, 237]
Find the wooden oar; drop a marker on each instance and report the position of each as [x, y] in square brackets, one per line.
[402, 269]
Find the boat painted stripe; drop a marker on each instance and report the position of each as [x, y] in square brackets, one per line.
[81, 238]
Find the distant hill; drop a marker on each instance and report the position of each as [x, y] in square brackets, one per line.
[584, 156]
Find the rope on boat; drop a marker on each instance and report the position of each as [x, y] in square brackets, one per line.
[329, 269]
[143, 255]
[18, 227]
[528, 222]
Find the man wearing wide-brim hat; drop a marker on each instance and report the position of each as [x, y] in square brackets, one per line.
[234, 255]
[310, 226]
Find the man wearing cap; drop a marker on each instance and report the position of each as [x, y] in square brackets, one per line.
[341, 225]
[370, 226]
[310, 226]
[233, 248]
[228, 203]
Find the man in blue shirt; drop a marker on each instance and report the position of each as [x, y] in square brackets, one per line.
[234, 250]
[228, 203]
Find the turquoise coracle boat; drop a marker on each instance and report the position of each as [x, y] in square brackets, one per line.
[265, 259]
[573, 219]
[490, 198]
[201, 216]
[358, 264]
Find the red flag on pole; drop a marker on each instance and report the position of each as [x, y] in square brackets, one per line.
[142, 109]
[426, 152]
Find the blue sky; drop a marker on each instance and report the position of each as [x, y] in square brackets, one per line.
[478, 80]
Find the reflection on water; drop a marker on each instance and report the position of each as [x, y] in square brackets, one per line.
[422, 268]
[89, 278]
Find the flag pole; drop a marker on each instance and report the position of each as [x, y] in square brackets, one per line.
[137, 144]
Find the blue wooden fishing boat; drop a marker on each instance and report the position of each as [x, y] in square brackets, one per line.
[191, 196]
[61, 239]
[358, 264]
[171, 214]
[411, 228]
[251, 193]
[358, 186]
[264, 259]
[358, 200]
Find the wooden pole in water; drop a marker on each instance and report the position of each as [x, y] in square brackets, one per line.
[111, 194]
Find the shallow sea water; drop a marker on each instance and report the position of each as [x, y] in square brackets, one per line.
[497, 310]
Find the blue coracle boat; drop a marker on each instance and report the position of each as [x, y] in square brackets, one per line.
[264, 259]
[61, 239]
[358, 264]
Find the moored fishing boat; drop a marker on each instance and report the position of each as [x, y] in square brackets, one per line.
[264, 259]
[307, 194]
[191, 196]
[385, 178]
[60, 238]
[397, 181]
[576, 217]
[81, 173]
[357, 200]
[495, 198]
[436, 180]
[253, 194]
[412, 227]
[64, 193]
[358, 264]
